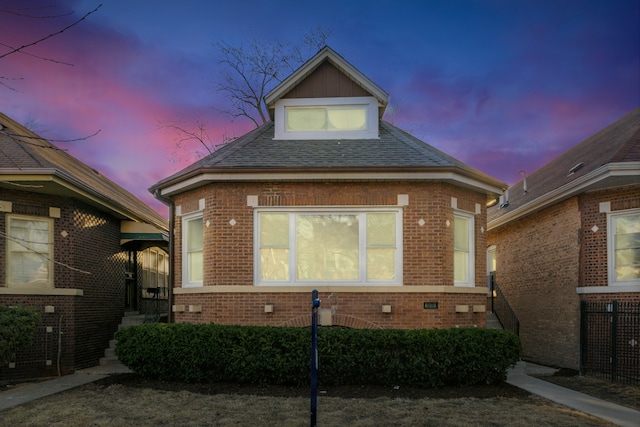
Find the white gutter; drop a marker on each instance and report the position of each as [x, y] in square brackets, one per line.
[572, 188]
[202, 179]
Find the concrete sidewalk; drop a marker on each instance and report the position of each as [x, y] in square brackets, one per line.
[32, 391]
[518, 376]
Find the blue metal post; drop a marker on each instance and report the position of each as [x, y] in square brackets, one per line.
[315, 304]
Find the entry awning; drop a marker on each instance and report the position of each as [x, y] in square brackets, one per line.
[139, 236]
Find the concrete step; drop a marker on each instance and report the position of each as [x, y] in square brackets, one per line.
[109, 360]
[492, 321]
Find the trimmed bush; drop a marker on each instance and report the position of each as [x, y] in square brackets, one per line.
[17, 329]
[277, 355]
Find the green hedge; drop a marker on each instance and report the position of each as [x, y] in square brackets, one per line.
[17, 329]
[277, 355]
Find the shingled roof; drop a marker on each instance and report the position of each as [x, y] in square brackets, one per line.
[394, 153]
[608, 159]
[29, 162]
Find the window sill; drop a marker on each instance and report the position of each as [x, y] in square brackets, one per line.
[613, 289]
[42, 291]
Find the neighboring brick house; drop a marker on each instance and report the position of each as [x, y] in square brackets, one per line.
[328, 196]
[72, 248]
[570, 232]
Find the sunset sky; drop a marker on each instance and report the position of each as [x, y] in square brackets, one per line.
[503, 85]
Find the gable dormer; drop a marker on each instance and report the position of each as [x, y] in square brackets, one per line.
[326, 98]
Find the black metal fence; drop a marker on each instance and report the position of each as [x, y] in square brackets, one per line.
[610, 340]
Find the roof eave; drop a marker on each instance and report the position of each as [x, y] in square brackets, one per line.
[577, 186]
[200, 177]
[77, 187]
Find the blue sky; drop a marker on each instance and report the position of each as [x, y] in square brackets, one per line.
[502, 85]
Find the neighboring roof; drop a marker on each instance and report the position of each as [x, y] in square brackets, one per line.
[28, 162]
[395, 155]
[326, 54]
[608, 159]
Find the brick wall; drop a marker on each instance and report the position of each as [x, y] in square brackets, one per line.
[88, 256]
[427, 250]
[538, 270]
[593, 258]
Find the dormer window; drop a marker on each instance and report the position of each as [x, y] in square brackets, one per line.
[326, 118]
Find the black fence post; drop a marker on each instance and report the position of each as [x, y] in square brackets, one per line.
[583, 336]
[614, 340]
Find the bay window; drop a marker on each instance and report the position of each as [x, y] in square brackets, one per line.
[29, 251]
[328, 246]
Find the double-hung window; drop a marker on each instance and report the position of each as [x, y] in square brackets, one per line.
[624, 248]
[332, 246]
[463, 249]
[29, 251]
[192, 250]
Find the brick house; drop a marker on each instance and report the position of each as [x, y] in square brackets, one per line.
[569, 233]
[75, 247]
[329, 196]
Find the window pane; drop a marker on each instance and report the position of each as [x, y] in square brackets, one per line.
[381, 264]
[628, 224]
[381, 229]
[327, 247]
[28, 267]
[306, 119]
[274, 230]
[347, 118]
[274, 263]
[460, 233]
[194, 234]
[195, 267]
[460, 266]
[627, 247]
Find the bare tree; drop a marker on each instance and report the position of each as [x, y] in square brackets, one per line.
[250, 72]
[189, 134]
[35, 13]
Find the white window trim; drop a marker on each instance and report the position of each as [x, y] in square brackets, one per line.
[50, 254]
[372, 118]
[611, 256]
[326, 210]
[185, 266]
[472, 250]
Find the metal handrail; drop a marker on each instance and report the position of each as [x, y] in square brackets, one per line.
[502, 309]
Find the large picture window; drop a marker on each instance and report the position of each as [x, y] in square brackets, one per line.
[192, 250]
[463, 249]
[335, 247]
[624, 248]
[29, 251]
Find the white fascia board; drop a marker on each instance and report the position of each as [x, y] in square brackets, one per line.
[205, 178]
[570, 189]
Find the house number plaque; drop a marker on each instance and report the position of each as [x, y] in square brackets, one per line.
[431, 305]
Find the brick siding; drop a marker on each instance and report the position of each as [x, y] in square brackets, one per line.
[427, 253]
[538, 270]
[86, 240]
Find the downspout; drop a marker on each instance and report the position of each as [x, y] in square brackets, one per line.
[169, 202]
